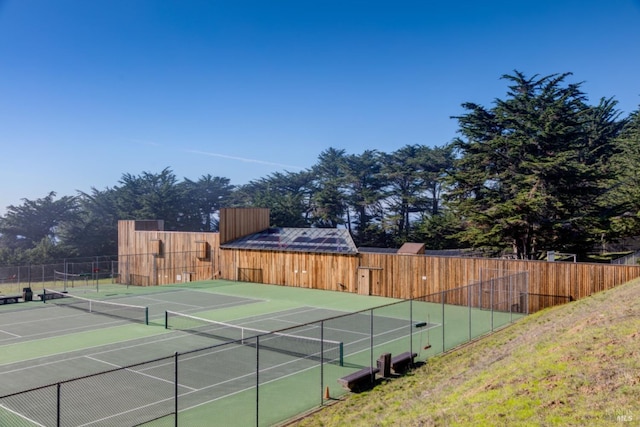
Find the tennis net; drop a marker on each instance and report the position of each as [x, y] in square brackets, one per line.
[327, 351]
[60, 276]
[136, 313]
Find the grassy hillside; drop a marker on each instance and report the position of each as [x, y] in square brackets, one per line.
[577, 364]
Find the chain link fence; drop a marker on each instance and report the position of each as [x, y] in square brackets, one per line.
[260, 380]
[63, 274]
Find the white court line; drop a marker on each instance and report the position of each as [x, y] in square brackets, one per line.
[56, 333]
[248, 388]
[227, 348]
[193, 390]
[246, 321]
[218, 306]
[97, 326]
[119, 348]
[197, 306]
[87, 355]
[9, 333]
[367, 335]
[22, 416]
[160, 301]
[249, 320]
[49, 318]
[134, 371]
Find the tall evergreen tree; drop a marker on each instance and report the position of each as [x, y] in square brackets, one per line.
[365, 185]
[415, 175]
[287, 195]
[95, 229]
[524, 177]
[623, 198]
[202, 201]
[406, 190]
[329, 198]
[150, 196]
[25, 226]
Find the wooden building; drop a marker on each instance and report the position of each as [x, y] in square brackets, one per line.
[247, 249]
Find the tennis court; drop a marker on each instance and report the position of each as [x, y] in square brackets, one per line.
[90, 369]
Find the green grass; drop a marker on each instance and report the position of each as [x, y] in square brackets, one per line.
[15, 288]
[577, 364]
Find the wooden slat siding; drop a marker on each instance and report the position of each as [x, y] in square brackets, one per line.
[179, 254]
[397, 276]
[182, 256]
[323, 271]
[401, 276]
[239, 222]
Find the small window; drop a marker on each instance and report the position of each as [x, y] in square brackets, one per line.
[156, 247]
[202, 250]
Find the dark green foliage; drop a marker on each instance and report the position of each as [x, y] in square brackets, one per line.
[30, 232]
[539, 170]
[438, 231]
[329, 189]
[623, 198]
[202, 201]
[87, 225]
[150, 196]
[415, 178]
[286, 194]
[365, 190]
[95, 229]
[26, 225]
[530, 169]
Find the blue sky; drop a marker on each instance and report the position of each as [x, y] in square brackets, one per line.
[90, 90]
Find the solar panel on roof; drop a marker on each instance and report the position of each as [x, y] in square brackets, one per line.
[297, 239]
[268, 238]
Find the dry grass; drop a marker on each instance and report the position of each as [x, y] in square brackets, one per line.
[577, 364]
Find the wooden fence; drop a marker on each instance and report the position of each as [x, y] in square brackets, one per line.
[157, 257]
[406, 276]
[152, 257]
[305, 270]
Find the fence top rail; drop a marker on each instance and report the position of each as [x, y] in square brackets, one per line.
[99, 258]
[630, 257]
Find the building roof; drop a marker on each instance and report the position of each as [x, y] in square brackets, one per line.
[328, 240]
[374, 250]
[412, 248]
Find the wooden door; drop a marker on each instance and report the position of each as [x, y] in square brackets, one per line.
[364, 281]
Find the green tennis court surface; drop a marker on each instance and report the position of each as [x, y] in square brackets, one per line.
[132, 374]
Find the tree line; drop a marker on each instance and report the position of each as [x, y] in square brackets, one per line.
[540, 169]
